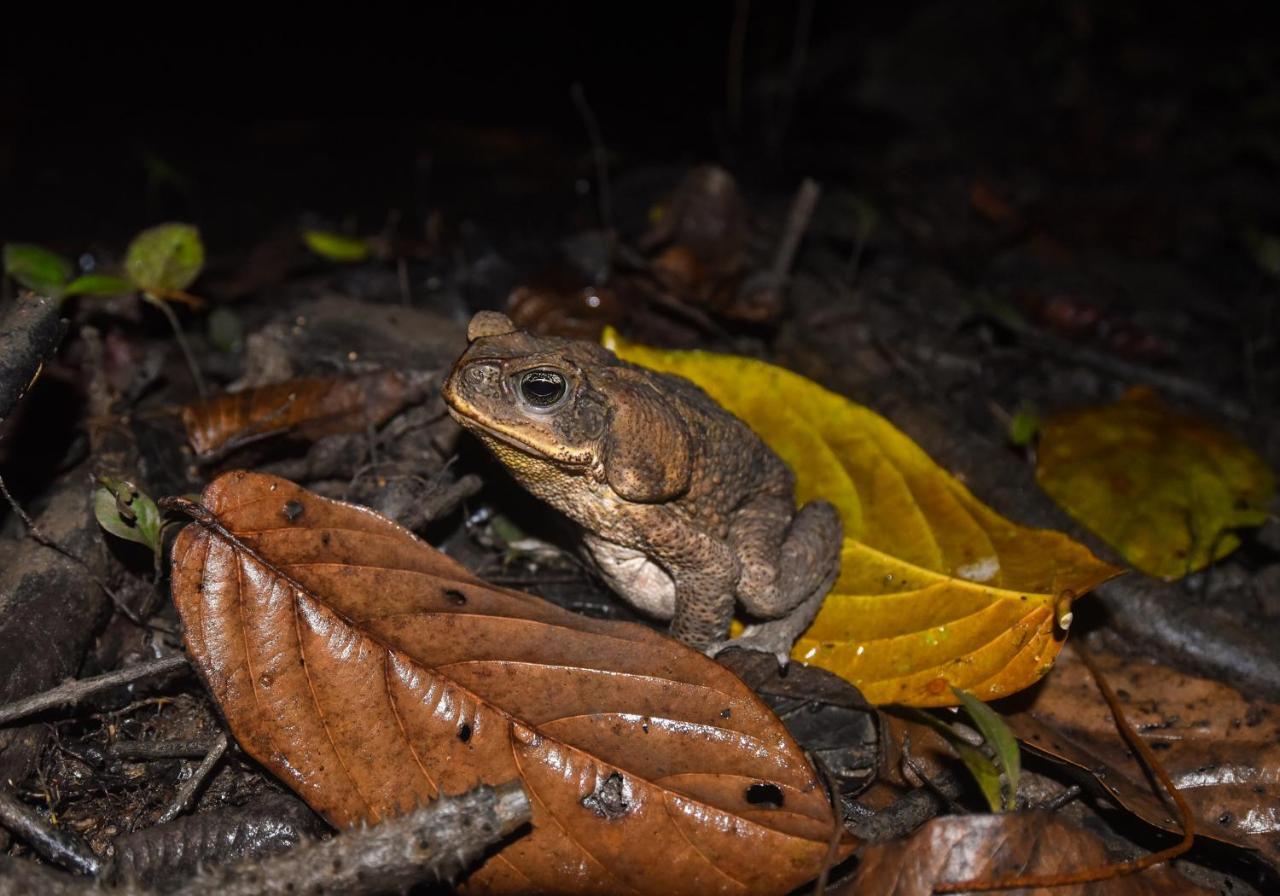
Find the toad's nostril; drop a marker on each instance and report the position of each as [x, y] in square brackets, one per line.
[482, 374]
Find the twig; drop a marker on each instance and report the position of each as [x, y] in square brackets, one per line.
[604, 197]
[75, 691]
[143, 750]
[1107, 872]
[431, 844]
[190, 787]
[734, 64]
[182, 343]
[1123, 370]
[802, 206]
[41, 538]
[48, 842]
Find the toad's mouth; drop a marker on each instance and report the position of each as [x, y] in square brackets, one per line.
[485, 430]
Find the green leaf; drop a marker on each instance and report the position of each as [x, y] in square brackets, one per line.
[165, 258]
[980, 765]
[99, 285]
[37, 268]
[336, 246]
[999, 738]
[126, 512]
[1024, 427]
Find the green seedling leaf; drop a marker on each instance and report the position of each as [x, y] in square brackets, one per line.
[1024, 427]
[126, 512]
[37, 268]
[336, 246]
[1001, 741]
[984, 770]
[99, 285]
[166, 258]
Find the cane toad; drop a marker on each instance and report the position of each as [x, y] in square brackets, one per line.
[684, 509]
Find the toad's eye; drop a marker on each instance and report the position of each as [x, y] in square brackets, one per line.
[543, 389]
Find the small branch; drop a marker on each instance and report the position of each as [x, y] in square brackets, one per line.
[802, 206]
[75, 691]
[146, 750]
[187, 793]
[434, 843]
[604, 197]
[48, 842]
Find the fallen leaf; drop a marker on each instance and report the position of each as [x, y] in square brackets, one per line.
[373, 673]
[1221, 749]
[987, 847]
[302, 408]
[1165, 490]
[936, 589]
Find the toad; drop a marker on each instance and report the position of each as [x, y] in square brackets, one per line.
[684, 510]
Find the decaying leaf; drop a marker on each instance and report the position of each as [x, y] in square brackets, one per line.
[372, 673]
[1221, 749]
[936, 589]
[1164, 489]
[302, 408]
[987, 847]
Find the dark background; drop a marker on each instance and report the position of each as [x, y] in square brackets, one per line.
[447, 102]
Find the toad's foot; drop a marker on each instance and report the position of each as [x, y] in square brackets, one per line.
[776, 643]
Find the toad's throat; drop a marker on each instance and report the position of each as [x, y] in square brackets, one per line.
[570, 459]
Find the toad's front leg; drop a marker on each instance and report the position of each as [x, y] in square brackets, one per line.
[705, 572]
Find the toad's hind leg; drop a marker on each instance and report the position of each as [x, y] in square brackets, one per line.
[790, 593]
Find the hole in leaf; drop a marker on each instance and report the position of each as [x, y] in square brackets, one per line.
[455, 597]
[464, 733]
[765, 795]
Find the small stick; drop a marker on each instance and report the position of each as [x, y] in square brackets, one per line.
[190, 787]
[802, 206]
[74, 691]
[433, 843]
[144, 750]
[50, 844]
[604, 196]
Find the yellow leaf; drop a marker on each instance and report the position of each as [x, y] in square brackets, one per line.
[936, 589]
[1165, 490]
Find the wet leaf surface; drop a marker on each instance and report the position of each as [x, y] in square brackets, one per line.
[1221, 749]
[982, 847]
[305, 408]
[1164, 489]
[371, 673]
[936, 589]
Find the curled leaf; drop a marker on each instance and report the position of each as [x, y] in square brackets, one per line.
[306, 408]
[373, 673]
[936, 589]
[126, 512]
[164, 259]
[1164, 489]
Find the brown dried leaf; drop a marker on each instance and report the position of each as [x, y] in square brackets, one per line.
[372, 673]
[1221, 749]
[304, 408]
[986, 847]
